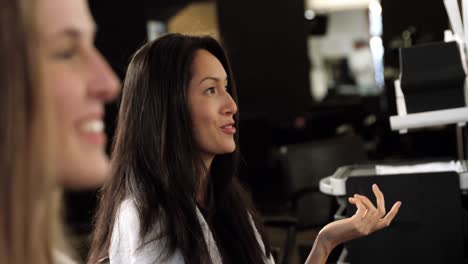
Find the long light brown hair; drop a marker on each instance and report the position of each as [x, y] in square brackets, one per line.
[27, 210]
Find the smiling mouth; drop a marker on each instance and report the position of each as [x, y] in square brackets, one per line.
[229, 129]
[93, 126]
[93, 131]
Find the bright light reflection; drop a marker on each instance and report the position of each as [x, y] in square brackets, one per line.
[309, 14]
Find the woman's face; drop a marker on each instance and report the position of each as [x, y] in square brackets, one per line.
[81, 82]
[211, 106]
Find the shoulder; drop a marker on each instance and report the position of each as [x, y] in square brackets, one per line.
[127, 211]
[125, 232]
[127, 214]
[126, 245]
[126, 223]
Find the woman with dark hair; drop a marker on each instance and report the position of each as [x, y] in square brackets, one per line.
[174, 196]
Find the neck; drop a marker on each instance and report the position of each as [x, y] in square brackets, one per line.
[203, 184]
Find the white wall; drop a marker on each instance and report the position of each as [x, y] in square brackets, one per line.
[344, 27]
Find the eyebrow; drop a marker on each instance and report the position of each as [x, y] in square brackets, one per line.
[73, 32]
[213, 79]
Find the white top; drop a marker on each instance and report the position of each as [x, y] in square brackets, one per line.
[126, 248]
[62, 258]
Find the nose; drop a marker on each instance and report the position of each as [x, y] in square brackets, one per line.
[104, 84]
[230, 107]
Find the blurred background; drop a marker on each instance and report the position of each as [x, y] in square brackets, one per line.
[316, 92]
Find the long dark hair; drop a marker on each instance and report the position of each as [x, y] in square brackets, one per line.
[156, 162]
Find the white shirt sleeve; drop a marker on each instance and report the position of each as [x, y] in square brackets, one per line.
[126, 247]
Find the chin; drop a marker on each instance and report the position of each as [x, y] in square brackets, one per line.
[88, 173]
[230, 149]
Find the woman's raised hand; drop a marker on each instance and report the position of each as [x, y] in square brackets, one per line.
[367, 219]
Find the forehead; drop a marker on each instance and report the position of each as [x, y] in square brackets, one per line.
[206, 64]
[55, 16]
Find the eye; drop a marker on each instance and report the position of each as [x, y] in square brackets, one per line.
[66, 54]
[210, 90]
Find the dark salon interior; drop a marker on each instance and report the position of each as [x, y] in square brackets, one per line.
[334, 96]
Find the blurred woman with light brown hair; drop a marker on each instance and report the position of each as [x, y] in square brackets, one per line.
[53, 87]
[26, 196]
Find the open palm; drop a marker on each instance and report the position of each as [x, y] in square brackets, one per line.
[365, 221]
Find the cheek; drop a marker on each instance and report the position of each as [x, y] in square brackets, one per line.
[202, 122]
[66, 104]
[200, 127]
[66, 95]
[201, 116]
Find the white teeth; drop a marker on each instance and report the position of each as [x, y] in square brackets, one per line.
[228, 126]
[93, 126]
